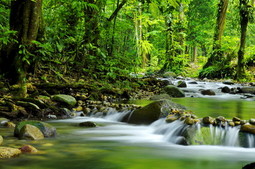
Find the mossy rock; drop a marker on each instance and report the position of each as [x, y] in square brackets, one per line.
[152, 112]
[28, 149]
[47, 129]
[208, 92]
[174, 91]
[30, 132]
[87, 124]
[248, 128]
[65, 99]
[6, 152]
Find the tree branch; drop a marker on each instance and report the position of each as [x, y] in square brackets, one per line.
[115, 13]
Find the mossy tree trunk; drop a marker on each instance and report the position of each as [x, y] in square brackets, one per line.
[25, 19]
[170, 51]
[217, 54]
[244, 19]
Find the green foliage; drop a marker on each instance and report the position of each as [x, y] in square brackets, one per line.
[217, 71]
[143, 37]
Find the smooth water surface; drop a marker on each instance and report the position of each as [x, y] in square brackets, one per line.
[215, 107]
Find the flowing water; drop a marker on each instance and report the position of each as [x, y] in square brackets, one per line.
[116, 145]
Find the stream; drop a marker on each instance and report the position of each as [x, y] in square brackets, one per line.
[116, 145]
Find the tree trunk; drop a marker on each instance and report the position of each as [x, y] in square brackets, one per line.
[217, 54]
[244, 19]
[170, 52]
[25, 18]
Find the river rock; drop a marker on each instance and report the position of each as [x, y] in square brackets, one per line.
[208, 120]
[160, 97]
[152, 112]
[208, 92]
[28, 149]
[87, 124]
[252, 121]
[189, 121]
[225, 89]
[231, 123]
[249, 128]
[30, 132]
[47, 129]
[174, 91]
[1, 140]
[9, 124]
[6, 152]
[65, 99]
[228, 83]
[171, 118]
[249, 166]
[181, 84]
[247, 90]
[193, 82]
[236, 119]
[3, 120]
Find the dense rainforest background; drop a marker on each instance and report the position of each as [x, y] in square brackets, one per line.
[111, 39]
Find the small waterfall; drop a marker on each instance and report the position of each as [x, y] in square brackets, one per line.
[232, 136]
[111, 114]
[215, 135]
[172, 132]
[178, 132]
[251, 140]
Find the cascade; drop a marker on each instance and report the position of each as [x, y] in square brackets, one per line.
[178, 132]
[172, 132]
[250, 140]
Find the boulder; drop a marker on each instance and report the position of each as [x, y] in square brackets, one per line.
[181, 84]
[174, 91]
[248, 128]
[208, 92]
[160, 97]
[30, 132]
[47, 129]
[225, 89]
[1, 140]
[193, 82]
[247, 90]
[65, 99]
[6, 152]
[228, 83]
[28, 149]
[249, 166]
[87, 124]
[152, 112]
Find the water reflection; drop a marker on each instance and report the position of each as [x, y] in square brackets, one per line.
[219, 107]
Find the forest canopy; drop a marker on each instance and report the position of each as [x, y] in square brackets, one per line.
[108, 39]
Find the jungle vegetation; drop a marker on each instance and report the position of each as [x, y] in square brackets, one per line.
[110, 39]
